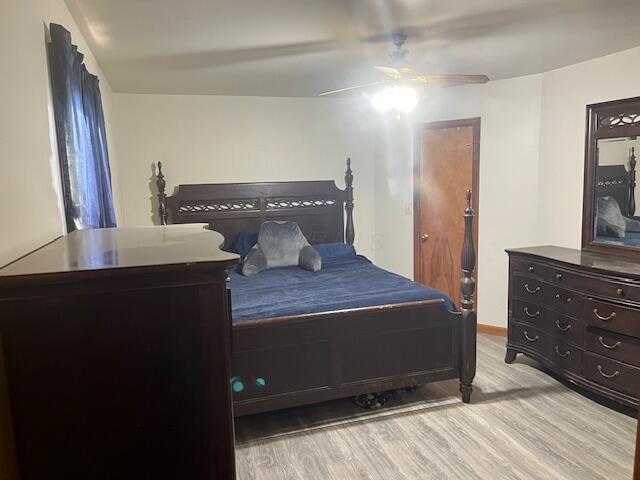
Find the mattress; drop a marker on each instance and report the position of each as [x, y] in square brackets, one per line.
[348, 281]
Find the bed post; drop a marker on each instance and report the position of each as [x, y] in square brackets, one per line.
[469, 321]
[632, 183]
[162, 196]
[348, 204]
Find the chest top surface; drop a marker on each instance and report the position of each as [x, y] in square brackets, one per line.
[103, 250]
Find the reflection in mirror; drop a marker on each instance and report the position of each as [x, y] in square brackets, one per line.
[615, 220]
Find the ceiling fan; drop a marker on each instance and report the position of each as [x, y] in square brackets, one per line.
[401, 76]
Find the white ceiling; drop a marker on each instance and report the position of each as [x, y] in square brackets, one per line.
[305, 47]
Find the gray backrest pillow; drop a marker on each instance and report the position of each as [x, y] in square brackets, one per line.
[281, 244]
[609, 219]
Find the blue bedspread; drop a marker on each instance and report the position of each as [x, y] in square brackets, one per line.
[630, 238]
[343, 282]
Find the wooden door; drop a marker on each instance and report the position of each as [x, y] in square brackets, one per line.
[446, 166]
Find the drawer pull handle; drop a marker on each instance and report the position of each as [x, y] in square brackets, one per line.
[558, 276]
[526, 335]
[620, 292]
[559, 298]
[607, 375]
[534, 291]
[566, 328]
[531, 315]
[531, 268]
[610, 347]
[604, 319]
[565, 354]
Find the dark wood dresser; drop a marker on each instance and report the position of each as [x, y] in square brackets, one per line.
[579, 314]
[636, 463]
[114, 357]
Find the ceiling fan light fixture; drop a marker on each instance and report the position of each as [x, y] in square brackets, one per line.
[401, 98]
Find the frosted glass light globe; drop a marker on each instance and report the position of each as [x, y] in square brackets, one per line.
[401, 98]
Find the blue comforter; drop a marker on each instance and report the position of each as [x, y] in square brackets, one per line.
[343, 282]
[630, 238]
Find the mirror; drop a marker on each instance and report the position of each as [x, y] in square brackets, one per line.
[615, 193]
[611, 221]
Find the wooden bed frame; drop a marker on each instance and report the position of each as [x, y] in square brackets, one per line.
[295, 360]
[618, 182]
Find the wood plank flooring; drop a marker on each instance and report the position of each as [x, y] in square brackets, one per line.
[522, 424]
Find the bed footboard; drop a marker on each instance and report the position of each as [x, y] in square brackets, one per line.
[291, 361]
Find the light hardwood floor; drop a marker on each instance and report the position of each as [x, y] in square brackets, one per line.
[522, 424]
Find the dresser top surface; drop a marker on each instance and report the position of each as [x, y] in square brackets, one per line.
[582, 259]
[111, 248]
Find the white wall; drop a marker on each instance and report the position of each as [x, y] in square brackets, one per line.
[531, 157]
[29, 182]
[510, 115]
[565, 94]
[242, 139]
[531, 165]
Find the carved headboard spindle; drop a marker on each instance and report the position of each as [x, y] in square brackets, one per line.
[348, 205]
[162, 196]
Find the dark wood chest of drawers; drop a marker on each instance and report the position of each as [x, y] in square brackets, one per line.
[579, 314]
[114, 358]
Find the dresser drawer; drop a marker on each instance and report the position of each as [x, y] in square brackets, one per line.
[612, 317]
[548, 273]
[530, 288]
[557, 298]
[593, 284]
[529, 338]
[530, 313]
[554, 324]
[565, 301]
[597, 285]
[564, 356]
[611, 345]
[542, 271]
[612, 374]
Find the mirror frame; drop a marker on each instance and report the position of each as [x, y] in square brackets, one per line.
[618, 118]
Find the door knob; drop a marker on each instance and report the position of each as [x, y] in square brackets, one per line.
[424, 237]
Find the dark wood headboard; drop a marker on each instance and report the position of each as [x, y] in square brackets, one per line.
[618, 182]
[230, 208]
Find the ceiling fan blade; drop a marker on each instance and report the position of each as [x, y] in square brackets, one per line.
[238, 56]
[389, 71]
[323, 94]
[454, 28]
[451, 79]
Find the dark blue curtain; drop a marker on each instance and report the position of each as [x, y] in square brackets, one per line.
[82, 141]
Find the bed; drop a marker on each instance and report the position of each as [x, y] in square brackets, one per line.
[620, 183]
[346, 280]
[300, 337]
